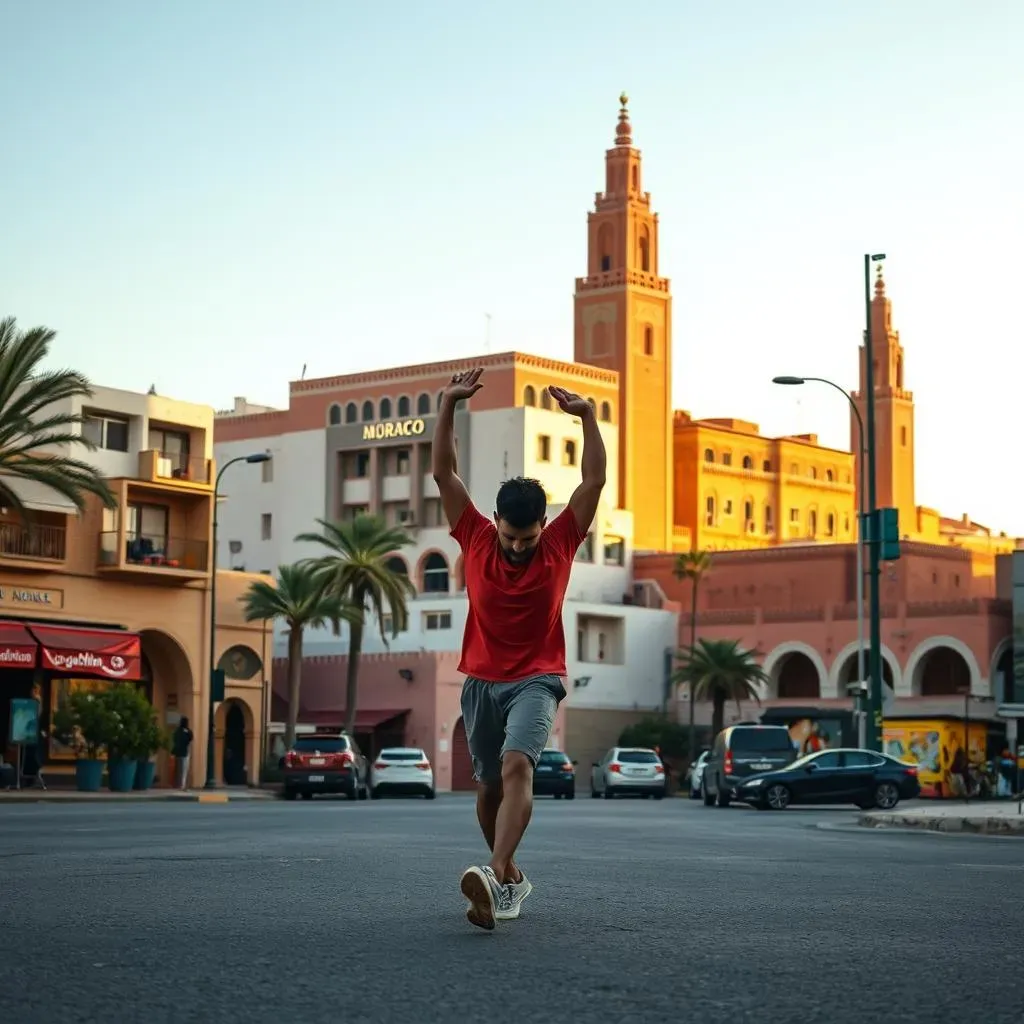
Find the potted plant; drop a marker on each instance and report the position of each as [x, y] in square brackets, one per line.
[82, 722]
[152, 739]
[130, 717]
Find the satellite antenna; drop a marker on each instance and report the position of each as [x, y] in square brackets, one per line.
[303, 377]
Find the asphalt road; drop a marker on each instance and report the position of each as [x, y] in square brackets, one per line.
[343, 913]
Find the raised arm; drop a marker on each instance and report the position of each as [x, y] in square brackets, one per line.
[593, 465]
[454, 496]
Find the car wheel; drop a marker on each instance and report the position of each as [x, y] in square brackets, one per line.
[709, 800]
[593, 792]
[307, 795]
[364, 792]
[723, 798]
[659, 796]
[571, 795]
[290, 794]
[607, 792]
[695, 792]
[430, 794]
[777, 797]
[557, 796]
[887, 796]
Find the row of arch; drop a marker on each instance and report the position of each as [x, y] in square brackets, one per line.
[545, 401]
[830, 475]
[383, 409]
[433, 574]
[940, 666]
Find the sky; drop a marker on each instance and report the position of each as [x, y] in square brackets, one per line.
[210, 197]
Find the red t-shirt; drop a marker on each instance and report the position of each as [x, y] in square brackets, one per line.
[514, 625]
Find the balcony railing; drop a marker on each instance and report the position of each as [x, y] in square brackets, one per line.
[154, 551]
[157, 465]
[47, 543]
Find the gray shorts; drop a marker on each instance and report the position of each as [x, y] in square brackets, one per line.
[508, 716]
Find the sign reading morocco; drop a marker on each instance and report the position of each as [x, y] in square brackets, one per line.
[105, 653]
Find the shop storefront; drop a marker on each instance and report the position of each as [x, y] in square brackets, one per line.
[61, 635]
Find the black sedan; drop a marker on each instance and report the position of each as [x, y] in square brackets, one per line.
[555, 775]
[861, 777]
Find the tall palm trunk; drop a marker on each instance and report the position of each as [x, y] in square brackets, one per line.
[718, 711]
[355, 648]
[692, 736]
[294, 683]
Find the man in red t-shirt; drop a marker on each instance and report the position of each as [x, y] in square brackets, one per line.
[516, 570]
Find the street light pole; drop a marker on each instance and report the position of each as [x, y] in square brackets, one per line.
[873, 739]
[211, 776]
[861, 526]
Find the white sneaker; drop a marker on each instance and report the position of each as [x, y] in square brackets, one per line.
[488, 898]
[518, 891]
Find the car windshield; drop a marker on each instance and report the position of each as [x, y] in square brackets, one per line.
[554, 757]
[402, 755]
[637, 757]
[772, 740]
[321, 744]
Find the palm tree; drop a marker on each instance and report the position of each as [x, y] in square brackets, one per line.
[299, 599]
[31, 427]
[357, 568]
[692, 566]
[723, 671]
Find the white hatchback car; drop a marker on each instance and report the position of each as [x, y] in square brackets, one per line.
[402, 770]
[637, 770]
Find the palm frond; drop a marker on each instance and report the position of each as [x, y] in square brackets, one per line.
[299, 599]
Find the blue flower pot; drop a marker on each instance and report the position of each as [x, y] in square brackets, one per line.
[145, 772]
[121, 775]
[88, 775]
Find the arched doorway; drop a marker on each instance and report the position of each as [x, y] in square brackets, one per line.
[169, 688]
[1004, 686]
[234, 768]
[848, 672]
[462, 762]
[942, 672]
[795, 677]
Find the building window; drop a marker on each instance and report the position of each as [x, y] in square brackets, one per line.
[814, 473]
[569, 453]
[812, 523]
[351, 413]
[586, 549]
[423, 405]
[709, 513]
[614, 551]
[437, 620]
[387, 624]
[903, 436]
[727, 459]
[397, 566]
[404, 406]
[385, 408]
[267, 470]
[334, 415]
[606, 264]
[728, 506]
[794, 515]
[748, 511]
[648, 341]
[529, 395]
[846, 524]
[367, 411]
[606, 412]
[600, 646]
[830, 525]
[109, 432]
[580, 645]
[768, 525]
[709, 455]
[829, 475]
[435, 574]
[766, 466]
[543, 448]
[266, 526]
[748, 462]
[402, 462]
[593, 405]
[545, 399]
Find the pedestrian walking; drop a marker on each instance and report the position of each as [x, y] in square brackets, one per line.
[181, 748]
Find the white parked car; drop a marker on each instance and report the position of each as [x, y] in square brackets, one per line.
[402, 770]
[628, 770]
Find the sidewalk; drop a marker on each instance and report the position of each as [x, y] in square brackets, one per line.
[72, 796]
[981, 818]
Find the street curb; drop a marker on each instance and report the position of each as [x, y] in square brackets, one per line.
[988, 826]
[73, 797]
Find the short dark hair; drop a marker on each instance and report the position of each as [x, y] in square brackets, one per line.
[521, 502]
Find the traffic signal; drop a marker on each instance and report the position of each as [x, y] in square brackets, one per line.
[887, 534]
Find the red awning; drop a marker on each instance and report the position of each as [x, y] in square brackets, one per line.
[106, 653]
[18, 647]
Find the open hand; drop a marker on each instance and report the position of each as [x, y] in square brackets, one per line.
[570, 402]
[464, 385]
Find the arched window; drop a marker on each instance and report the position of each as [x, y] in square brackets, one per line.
[592, 404]
[423, 405]
[606, 412]
[645, 241]
[709, 455]
[334, 415]
[766, 466]
[812, 523]
[545, 399]
[748, 512]
[828, 475]
[385, 408]
[748, 462]
[367, 411]
[435, 574]
[351, 413]
[397, 566]
[648, 341]
[830, 525]
[709, 511]
[529, 395]
[404, 406]
[814, 472]
[769, 526]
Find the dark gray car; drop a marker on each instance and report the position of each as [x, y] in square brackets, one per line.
[740, 751]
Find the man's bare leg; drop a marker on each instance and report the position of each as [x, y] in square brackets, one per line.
[515, 808]
[488, 801]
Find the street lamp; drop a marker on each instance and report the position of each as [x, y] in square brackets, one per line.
[211, 779]
[861, 531]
